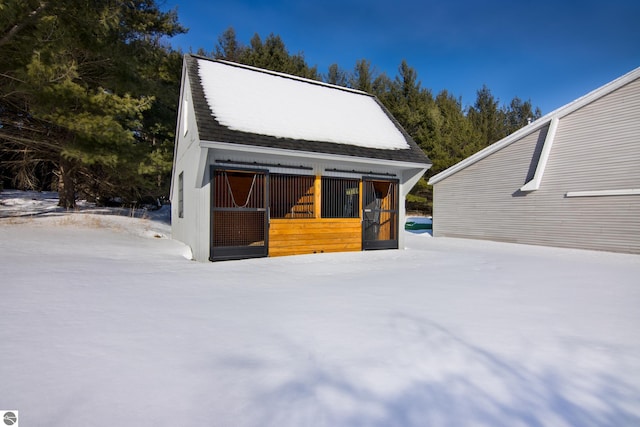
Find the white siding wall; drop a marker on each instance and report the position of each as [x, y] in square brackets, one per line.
[193, 228]
[596, 148]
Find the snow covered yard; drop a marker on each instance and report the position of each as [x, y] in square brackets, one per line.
[104, 322]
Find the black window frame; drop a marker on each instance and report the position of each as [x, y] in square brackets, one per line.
[339, 197]
[282, 206]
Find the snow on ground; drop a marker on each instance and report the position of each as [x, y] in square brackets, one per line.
[104, 323]
[23, 207]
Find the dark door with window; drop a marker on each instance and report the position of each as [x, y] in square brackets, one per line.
[239, 215]
[379, 214]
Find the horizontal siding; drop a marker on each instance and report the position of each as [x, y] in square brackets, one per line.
[308, 236]
[472, 201]
[596, 148]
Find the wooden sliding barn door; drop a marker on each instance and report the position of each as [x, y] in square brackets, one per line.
[379, 214]
[239, 215]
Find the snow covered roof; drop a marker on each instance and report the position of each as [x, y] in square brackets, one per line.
[545, 120]
[246, 105]
[284, 107]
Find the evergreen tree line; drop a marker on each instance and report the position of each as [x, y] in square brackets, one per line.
[89, 94]
[446, 130]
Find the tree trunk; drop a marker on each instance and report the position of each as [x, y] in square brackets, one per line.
[66, 185]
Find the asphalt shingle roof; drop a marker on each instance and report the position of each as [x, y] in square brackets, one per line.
[210, 129]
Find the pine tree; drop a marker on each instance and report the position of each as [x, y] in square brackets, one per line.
[336, 76]
[487, 117]
[519, 114]
[158, 126]
[363, 76]
[82, 78]
[273, 55]
[228, 46]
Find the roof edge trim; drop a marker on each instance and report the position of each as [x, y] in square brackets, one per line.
[310, 154]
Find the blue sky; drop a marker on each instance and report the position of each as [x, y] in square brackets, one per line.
[550, 52]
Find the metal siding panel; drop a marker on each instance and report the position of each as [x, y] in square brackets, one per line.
[479, 202]
[596, 148]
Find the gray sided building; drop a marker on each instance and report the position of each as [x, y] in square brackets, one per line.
[570, 179]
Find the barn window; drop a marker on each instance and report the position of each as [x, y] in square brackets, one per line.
[291, 196]
[340, 198]
[181, 195]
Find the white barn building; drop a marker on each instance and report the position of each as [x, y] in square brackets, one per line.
[268, 164]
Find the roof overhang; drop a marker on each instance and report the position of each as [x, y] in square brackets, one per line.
[395, 164]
